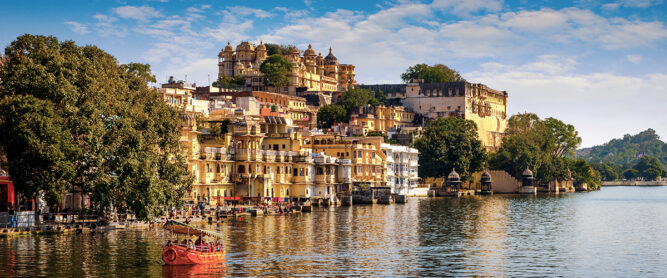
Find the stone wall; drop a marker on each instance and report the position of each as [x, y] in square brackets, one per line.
[502, 182]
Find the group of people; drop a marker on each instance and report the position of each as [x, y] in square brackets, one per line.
[199, 245]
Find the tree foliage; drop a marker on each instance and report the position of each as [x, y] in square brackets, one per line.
[275, 69]
[431, 74]
[649, 168]
[80, 119]
[584, 172]
[330, 114]
[628, 150]
[607, 171]
[351, 99]
[541, 145]
[229, 82]
[450, 143]
[272, 48]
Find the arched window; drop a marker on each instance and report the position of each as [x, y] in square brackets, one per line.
[241, 169]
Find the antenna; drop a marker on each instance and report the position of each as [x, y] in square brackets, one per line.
[186, 78]
[209, 79]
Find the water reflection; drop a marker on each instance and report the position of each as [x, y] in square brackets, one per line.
[614, 232]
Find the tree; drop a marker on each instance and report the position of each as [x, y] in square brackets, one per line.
[583, 172]
[275, 69]
[330, 114]
[229, 82]
[37, 146]
[450, 143]
[89, 123]
[141, 70]
[629, 174]
[541, 145]
[272, 48]
[357, 97]
[431, 74]
[649, 168]
[606, 170]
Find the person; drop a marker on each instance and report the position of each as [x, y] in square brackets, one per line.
[187, 220]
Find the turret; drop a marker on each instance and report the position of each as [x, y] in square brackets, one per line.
[527, 177]
[454, 181]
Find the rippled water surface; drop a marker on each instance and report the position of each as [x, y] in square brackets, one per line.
[618, 231]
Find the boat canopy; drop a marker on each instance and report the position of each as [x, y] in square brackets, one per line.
[185, 229]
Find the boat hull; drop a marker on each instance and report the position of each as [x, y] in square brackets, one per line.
[180, 255]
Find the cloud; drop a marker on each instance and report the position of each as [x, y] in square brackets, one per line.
[106, 26]
[245, 11]
[77, 27]
[635, 59]
[467, 7]
[143, 13]
[595, 103]
[639, 3]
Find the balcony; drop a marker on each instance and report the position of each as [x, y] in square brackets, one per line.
[248, 155]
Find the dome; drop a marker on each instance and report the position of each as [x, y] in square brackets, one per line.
[294, 51]
[319, 56]
[527, 172]
[245, 46]
[229, 47]
[486, 177]
[453, 176]
[330, 59]
[309, 51]
[261, 46]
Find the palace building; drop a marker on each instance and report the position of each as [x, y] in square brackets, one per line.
[477, 102]
[310, 72]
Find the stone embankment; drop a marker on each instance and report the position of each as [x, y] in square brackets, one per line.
[634, 183]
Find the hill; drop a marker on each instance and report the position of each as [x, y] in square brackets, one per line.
[627, 150]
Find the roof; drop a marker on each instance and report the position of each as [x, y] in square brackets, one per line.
[185, 229]
[274, 120]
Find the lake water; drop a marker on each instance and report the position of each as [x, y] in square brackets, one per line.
[618, 231]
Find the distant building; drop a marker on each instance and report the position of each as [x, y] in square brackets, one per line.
[310, 72]
[477, 102]
[379, 118]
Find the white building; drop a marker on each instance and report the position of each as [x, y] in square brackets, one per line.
[249, 104]
[402, 164]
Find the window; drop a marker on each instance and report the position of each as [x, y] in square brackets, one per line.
[295, 172]
[373, 154]
[301, 172]
[359, 154]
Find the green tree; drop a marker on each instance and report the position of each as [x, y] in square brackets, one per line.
[272, 48]
[583, 172]
[357, 97]
[38, 147]
[330, 114]
[629, 174]
[275, 69]
[431, 74]
[649, 168]
[538, 144]
[450, 143]
[141, 70]
[606, 170]
[229, 82]
[117, 139]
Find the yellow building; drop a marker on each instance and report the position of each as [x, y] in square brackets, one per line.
[311, 71]
[379, 118]
[209, 160]
[477, 102]
[365, 154]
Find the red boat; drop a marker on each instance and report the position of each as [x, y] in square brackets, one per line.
[188, 252]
